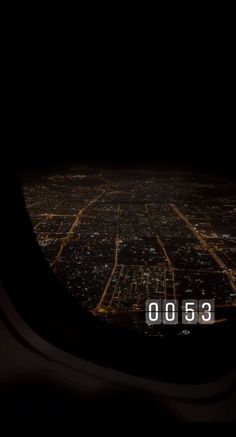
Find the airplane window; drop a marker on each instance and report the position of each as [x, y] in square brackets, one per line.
[147, 249]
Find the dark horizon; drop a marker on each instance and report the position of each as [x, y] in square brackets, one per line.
[216, 167]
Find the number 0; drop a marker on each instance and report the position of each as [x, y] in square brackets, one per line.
[171, 317]
[153, 308]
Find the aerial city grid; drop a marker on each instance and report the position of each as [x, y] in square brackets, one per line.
[118, 237]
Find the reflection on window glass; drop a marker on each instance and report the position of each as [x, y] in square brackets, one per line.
[116, 238]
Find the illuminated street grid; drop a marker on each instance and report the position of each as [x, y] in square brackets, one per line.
[116, 238]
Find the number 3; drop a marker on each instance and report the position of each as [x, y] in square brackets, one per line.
[206, 317]
[206, 311]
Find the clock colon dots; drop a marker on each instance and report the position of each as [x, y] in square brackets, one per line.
[172, 311]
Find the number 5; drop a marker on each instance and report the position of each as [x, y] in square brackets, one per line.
[190, 312]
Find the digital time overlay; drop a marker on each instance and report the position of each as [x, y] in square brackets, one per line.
[190, 312]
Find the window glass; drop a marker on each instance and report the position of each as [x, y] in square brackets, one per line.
[124, 241]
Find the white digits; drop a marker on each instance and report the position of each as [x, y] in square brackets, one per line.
[206, 306]
[170, 318]
[155, 311]
[189, 312]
